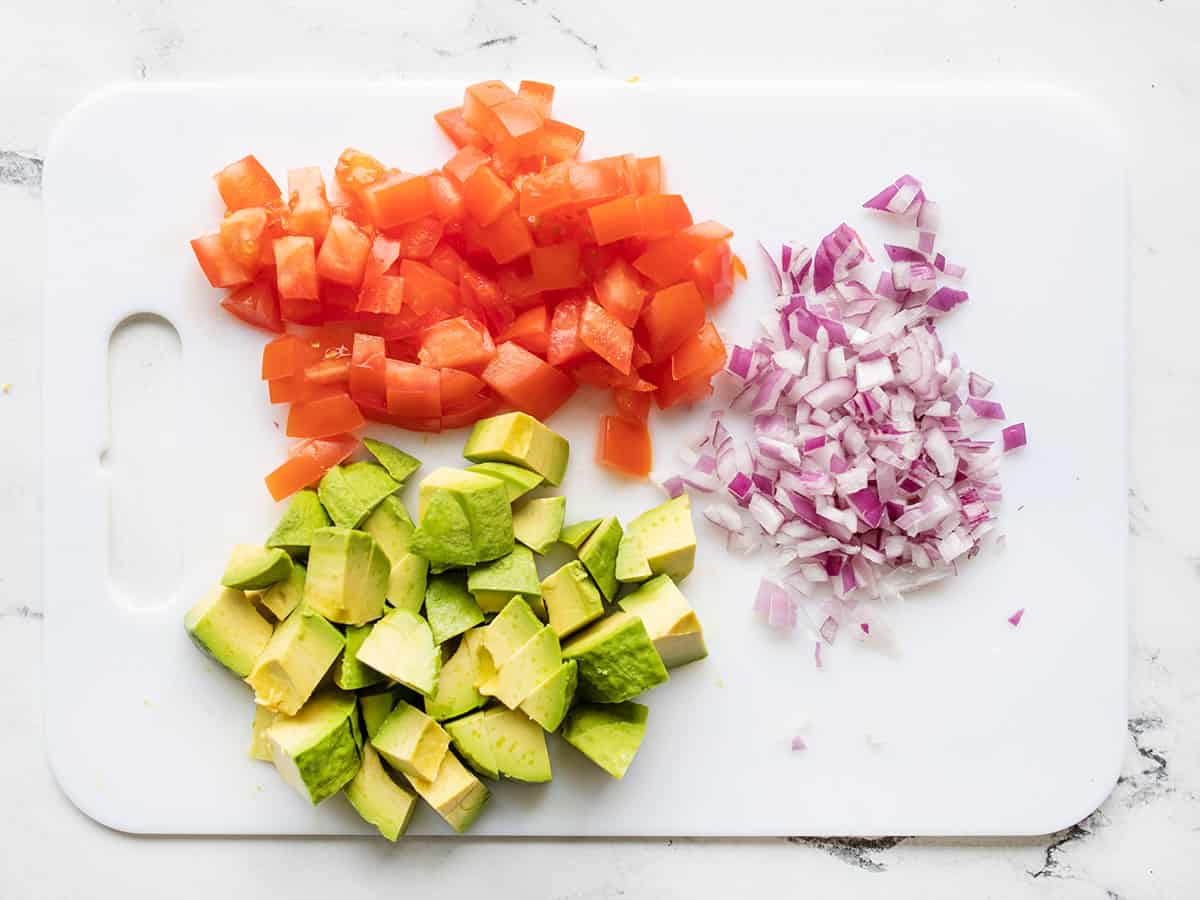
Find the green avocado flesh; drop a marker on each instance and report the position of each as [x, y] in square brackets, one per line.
[296, 658]
[455, 794]
[574, 535]
[465, 518]
[609, 734]
[401, 646]
[472, 740]
[456, 691]
[538, 523]
[316, 750]
[518, 745]
[549, 702]
[251, 567]
[350, 493]
[520, 439]
[378, 799]
[397, 463]
[226, 626]
[304, 515]
[572, 599]
[599, 555]
[347, 578]
[349, 673]
[411, 741]
[517, 480]
[669, 620]
[449, 607]
[617, 660]
[666, 539]
[281, 598]
[494, 584]
[374, 709]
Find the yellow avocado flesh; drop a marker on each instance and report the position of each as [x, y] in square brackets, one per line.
[347, 577]
[520, 439]
[401, 646]
[411, 741]
[228, 628]
[522, 673]
[669, 620]
[294, 661]
[666, 537]
[378, 799]
[519, 745]
[316, 750]
[572, 600]
[456, 794]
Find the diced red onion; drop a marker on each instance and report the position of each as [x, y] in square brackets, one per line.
[798, 743]
[1015, 619]
[986, 409]
[1013, 436]
[829, 629]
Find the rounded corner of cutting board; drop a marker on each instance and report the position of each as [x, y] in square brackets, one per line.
[87, 798]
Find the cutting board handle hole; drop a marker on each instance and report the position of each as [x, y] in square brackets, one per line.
[147, 490]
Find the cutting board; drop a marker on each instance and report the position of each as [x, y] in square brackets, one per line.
[157, 435]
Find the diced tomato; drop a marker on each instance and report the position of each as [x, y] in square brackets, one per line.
[531, 329]
[537, 94]
[255, 304]
[597, 181]
[641, 356]
[632, 405]
[448, 204]
[344, 252]
[601, 333]
[241, 236]
[419, 239]
[413, 391]
[739, 267]
[462, 165]
[528, 383]
[565, 343]
[298, 389]
[701, 354]
[506, 239]
[556, 267]
[308, 206]
[329, 372]
[478, 111]
[487, 196]
[559, 141]
[662, 215]
[301, 311]
[296, 268]
[616, 219]
[625, 446]
[620, 292]
[672, 316]
[547, 192]
[246, 183]
[451, 122]
[597, 373]
[368, 385]
[459, 389]
[668, 260]
[692, 389]
[307, 462]
[517, 118]
[712, 271]
[219, 267]
[338, 302]
[384, 253]
[446, 262]
[326, 417]
[456, 343]
[425, 289]
[288, 354]
[396, 199]
[481, 408]
[384, 296]
[649, 174]
[356, 171]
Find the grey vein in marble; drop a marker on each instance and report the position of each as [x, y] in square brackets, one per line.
[22, 612]
[857, 852]
[21, 169]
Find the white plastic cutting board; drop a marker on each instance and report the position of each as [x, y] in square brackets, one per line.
[970, 727]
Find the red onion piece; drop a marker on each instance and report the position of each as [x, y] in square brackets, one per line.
[798, 743]
[1015, 619]
[1013, 436]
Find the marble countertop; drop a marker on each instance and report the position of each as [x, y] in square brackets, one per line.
[1138, 58]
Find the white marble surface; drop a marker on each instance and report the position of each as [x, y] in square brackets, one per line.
[1141, 58]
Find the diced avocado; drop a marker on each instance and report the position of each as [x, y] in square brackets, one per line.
[456, 795]
[574, 535]
[549, 703]
[401, 647]
[226, 626]
[521, 439]
[519, 745]
[617, 659]
[473, 741]
[347, 576]
[538, 523]
[350, 673]
[407, 582]
[667, 538]
[599, 556]
[378, 799]
[316, 750]
[571, 599]
[294, 661]
[494, 584]
[608, 734]
[391, 527]
[456, 692]
[281, 598]
[398, 464]
[510, 631]
[251, 568]
[411, 741]
[669, 620]
[304, 515]
[517, 481]
[375, 708]
[482, 501]
[350, 493]
[449, 606]
[632, 566]
[523, 672]
[264, 718]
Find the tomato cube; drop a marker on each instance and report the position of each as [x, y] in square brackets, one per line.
[446, 262]
[506, 239]
[241, 235]
[559, 141]
[531, 329]
[606, 337]
[672, 316]
[419, 239]
[451, 122]
[527, 382]
[344, 252]
[632, 405]
[712, 271]
[624, 446]
[556, 267]
[308, 206]
[537, 94]
[620, 292]
[565, 344]
[307, 462]
[356, 171]
[326, 417]
[701, 354]
[668, 260]
[219, 267]
[425, 289]
[288, 354]
[296, 268]
[462, 165]
[456, 343]
[367, 370]
[384, 296]
[616, 219]
[396, 199]
[486, 196]
[459, 389]
[384, 253]
[246, 183]
[662, 215]
[649, 170]
[413, 391]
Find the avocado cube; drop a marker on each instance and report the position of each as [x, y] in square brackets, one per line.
[251, 567]
[401, 646]
[282, 598]
[574, 535]
[538, 523]
[316, 750]
[375, 708]
[465, 518]
[264, 718]
[378, 799]
[617, 659]
[347, 576]
[523, 672]
[349, 673]
[549, 703]
[517, 481]
[571, 599]
[608, 734]
[666, 537]
[449, 607]
[519, 745]
[669, 620]
[632, 566]
[290, 667]
[494, 584]
[456, 795]
[520, 439]
[350, 493]
[456, 692]
[303, 516]
[408, 582]
[397, 463]
[473, 741]
[411, 741]
[510, 631]
[226, 626]
[391, 527]
[599, 555]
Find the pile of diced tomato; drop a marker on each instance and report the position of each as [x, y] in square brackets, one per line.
[503, 281]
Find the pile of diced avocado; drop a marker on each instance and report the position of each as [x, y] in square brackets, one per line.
[386, 656]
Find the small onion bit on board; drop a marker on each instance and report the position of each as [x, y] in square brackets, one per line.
[868, 471]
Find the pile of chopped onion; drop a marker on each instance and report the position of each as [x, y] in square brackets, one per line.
[869, 471]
